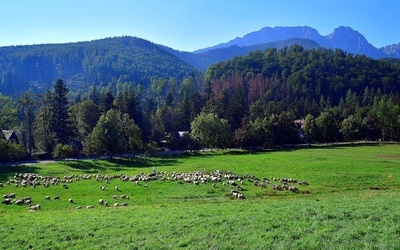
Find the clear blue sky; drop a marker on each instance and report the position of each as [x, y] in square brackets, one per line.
[189, 24]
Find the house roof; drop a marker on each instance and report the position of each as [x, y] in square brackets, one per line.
[8, 134]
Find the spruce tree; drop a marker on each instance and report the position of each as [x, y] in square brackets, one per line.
[60, 120]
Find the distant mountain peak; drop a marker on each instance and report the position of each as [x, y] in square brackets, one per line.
[343, 37]
[392, 50]
[269, 34]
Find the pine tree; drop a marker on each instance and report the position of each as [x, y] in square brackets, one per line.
[60, 120]
[106, 102]
[27, 106]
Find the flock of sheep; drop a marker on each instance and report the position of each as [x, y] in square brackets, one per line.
[217, 178]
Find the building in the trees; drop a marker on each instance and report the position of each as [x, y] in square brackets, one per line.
[10, 135]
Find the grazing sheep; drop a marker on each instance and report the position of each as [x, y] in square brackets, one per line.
[78, 207]
[116, 204]
[116, 188]
[125, 197]
[10, 195]
[65, 186]
[7, 201]
[70, 200]
[101, 202]
[34, 208]
[47, 198]
[277, 187]
[1, 184]
[115, 197]
[89, 206]
[19, 202]
[125, 204]
[303, 182]
[56, 197]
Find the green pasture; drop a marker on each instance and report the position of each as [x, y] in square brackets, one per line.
[351, 202]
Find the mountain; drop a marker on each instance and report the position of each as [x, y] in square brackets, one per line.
[344, 38]
[349, 40]
[103, 62]
[268, 34]
[203, 60]
[392, 50]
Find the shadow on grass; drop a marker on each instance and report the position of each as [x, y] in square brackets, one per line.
[118, 164]
[7, 172]
[294, 147]
[338, 146]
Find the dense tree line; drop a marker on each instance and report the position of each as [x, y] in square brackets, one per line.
[268, 98]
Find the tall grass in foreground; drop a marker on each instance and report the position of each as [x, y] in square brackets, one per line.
[351, 203]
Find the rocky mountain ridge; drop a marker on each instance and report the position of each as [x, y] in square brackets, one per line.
[344, 38]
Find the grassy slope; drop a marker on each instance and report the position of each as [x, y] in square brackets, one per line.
[351, 202]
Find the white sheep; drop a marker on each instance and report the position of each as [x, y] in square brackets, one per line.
[34, 208]
[89, 206]
[7, 201]
[70, 200]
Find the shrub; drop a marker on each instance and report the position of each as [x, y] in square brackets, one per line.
[64, 151]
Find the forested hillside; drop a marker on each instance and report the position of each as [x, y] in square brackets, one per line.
[334, 95]
[299, 80]
[99, 63]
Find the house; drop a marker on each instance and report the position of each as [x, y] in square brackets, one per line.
[170, 140]
[10, 135]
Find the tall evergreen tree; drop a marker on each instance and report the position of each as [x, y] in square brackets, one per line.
[60, 120]
[43, 135]
[106, 102]
[27, 106]
[8, 113]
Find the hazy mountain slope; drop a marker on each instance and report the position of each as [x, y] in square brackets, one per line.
[203, 60]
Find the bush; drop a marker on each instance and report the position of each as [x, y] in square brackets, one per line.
[64, 151]
[10, 152]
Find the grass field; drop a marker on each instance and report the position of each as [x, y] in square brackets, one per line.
[351, 202]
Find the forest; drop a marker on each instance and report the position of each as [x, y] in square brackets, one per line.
[263, 99]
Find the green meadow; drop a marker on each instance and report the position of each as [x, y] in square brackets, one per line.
[351, 202]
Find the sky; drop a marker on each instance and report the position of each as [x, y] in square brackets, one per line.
[188, 25]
